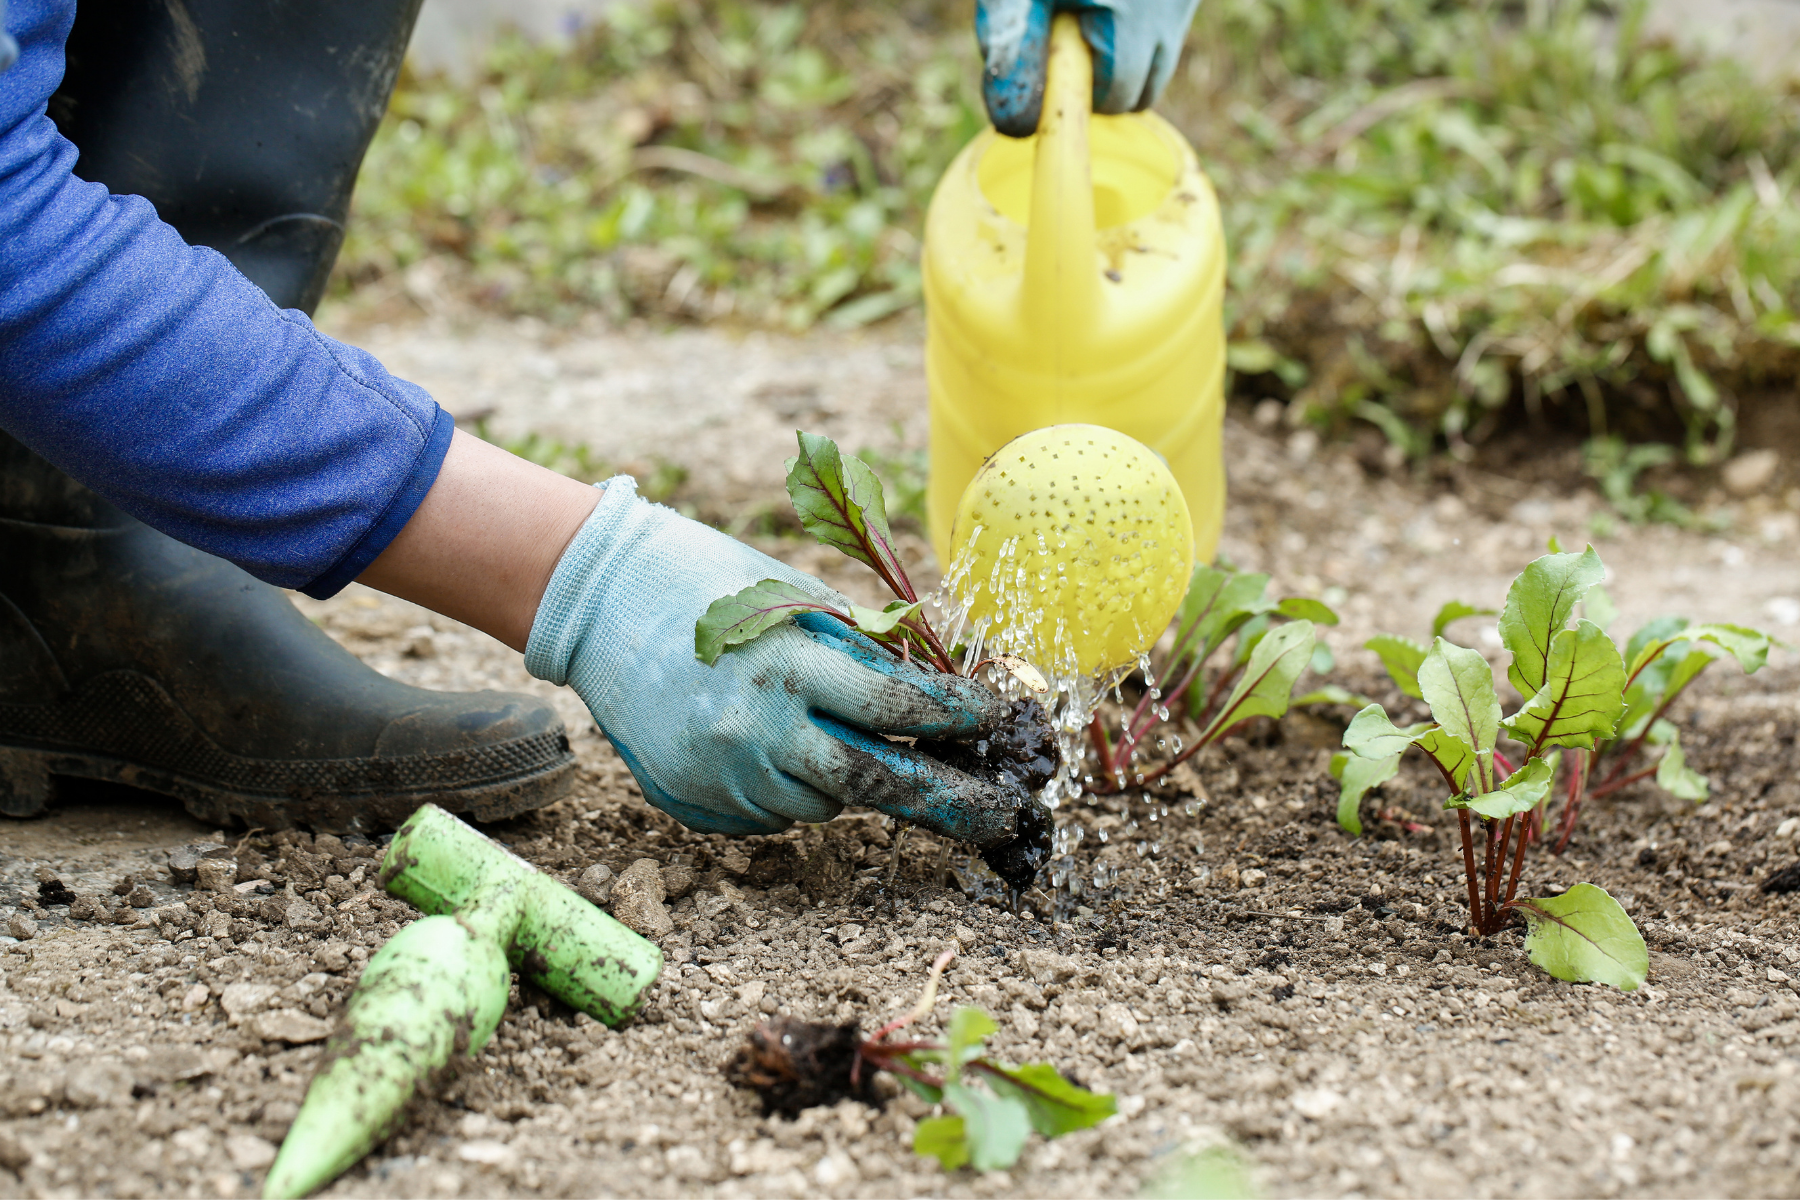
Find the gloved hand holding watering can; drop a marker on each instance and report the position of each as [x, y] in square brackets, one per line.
[1135, 42]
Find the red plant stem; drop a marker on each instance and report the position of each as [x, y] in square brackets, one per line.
[1468, 845]
[1505, 765]
[1512, 884]
[1137, 726]
[1489, 828]
[1572, 806]
[1499, 867]
[1615, 784]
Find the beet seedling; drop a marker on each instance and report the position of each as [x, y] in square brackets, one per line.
[1272, 642]
[1575, 682]
[991, 1107]
[839, 501]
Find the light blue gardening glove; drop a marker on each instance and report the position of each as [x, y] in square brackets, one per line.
[1135, 45]
[780, 729]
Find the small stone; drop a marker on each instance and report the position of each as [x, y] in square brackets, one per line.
[22, 927]
[87, 908]
[596, 884]
[1117, 1023]
[1252, 878]
[1750, 473]
[750, 995]
[486, 1152]
[734, 860]
[332, 956]
[215, 874]
[98, 1083]
[140, 897]
[290, 1025]
[13, 1154]
[678, 881]
[1047, 966]
[1315, 1104]
[298, 914]
[637, 899]
[248, 1152]
[1778, 976]
[196, 998]
[244, 1000]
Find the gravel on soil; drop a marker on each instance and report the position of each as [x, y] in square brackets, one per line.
[1235, 968]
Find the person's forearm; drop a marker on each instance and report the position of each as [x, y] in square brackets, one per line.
[482, 545]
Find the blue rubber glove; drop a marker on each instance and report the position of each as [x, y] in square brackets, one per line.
[783, 728]
[1135, 43]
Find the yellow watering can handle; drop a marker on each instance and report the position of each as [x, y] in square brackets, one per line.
[1062, 283]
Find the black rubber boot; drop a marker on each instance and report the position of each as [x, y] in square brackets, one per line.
[243, 121]
[127, 656]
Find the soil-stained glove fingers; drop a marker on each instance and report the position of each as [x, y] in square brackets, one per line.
[849, 676]
[738, 803]
[859, 768]
[1015, 50]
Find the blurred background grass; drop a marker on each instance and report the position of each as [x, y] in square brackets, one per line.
[1448, 220]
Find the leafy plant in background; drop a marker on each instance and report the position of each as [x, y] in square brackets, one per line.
[767, 163]
[1576, 683]
[1442, 217]
[1272, 642]
[1617, 467]
[1446, 216]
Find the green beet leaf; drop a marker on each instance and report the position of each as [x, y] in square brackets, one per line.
[1331, 693]
[1373, 735]
[1456, 610]
[880, 621]
[732, 620]
[1268, 680]
[1662, 629]
[1299, 608]
[1402, 657]
[1538, 606]
[1054, 1105]
[1356, 777]
[840, 502]
[1582, 696]
[968, 1028]
[1217, 604]
[1598, 607]
[1675, 777]
[1458, 684]
[1583, 936]
[1453, 756]
[1523, 791]
[995, 1126]
[942, 1138]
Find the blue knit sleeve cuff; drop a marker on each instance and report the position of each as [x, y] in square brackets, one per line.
[394, 518]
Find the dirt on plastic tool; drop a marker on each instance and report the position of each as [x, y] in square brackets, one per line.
[438, 989]
[1072, 548]
[1076, 276]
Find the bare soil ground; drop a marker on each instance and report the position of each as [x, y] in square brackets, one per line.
[1242, 971]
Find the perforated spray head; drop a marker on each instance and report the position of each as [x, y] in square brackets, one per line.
[1072, 547]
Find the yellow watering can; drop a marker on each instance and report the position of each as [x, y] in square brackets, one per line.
[1076, 277]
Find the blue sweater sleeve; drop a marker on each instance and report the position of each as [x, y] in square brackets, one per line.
[156, 374]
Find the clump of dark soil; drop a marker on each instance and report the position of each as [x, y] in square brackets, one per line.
[1021, 757]
[794, 1065]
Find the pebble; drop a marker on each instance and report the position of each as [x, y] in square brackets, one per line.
[1750, 472]
[637, 899]
[290, 1025]
[248, 1152]
[215, 874]
[22, 927]
[1315, 1104]
[596, 884]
